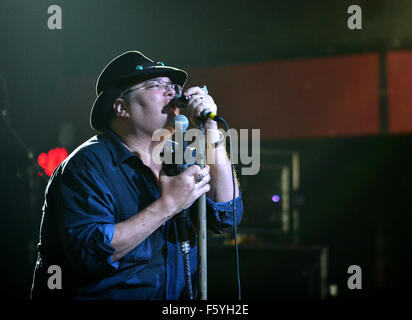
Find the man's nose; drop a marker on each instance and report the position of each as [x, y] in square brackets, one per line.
[170, 91]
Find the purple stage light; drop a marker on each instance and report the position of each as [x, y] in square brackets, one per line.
[275, 198]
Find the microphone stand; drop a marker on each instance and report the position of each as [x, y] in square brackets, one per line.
[202, 235]
[33, 180]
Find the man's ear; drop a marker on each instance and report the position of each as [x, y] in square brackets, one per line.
[120, 108]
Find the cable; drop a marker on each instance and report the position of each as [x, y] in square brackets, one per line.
[234, 212]
[185, 247]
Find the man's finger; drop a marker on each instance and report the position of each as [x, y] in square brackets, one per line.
[205, 180]
[192, 170]
[202, 190]
[192, 91]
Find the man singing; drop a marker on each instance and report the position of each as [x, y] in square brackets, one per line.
[109, 207]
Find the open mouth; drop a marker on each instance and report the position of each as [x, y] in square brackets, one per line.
[170, 108]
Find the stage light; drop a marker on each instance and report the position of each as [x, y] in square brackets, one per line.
[275, 198]
[50, 160]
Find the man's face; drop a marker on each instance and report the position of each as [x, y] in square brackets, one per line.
[148, 104]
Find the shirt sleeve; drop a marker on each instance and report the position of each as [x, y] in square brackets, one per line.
[220, 214]
[87, 207]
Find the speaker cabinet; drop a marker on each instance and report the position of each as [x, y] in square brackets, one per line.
[268, 273]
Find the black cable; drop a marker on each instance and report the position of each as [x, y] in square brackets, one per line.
[234, 211]
[188, 276]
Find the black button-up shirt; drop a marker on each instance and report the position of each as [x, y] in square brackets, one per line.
[100, 184]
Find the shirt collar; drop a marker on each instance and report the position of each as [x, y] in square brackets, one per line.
[119, 152]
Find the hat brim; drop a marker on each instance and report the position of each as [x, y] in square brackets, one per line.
[176, 75]
[102, 104]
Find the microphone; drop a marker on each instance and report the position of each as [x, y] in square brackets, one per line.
[182, 218]
[181, 125]
[207, 114]
[181, 122]
[180, 101]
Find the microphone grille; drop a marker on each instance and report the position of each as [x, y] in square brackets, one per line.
[181, 121]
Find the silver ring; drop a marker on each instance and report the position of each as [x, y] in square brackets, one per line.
[199, 177]
[204, 88]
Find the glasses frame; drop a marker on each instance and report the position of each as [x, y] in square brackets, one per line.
[162, 85]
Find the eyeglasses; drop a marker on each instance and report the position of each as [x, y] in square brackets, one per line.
[156, 85]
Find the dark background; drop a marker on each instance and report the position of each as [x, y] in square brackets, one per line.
[356, 188]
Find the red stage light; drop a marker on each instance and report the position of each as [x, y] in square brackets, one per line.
[51, 160]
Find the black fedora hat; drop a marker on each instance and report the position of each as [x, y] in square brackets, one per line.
[128, 68]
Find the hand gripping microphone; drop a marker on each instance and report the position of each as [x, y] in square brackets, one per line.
[181, 101]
